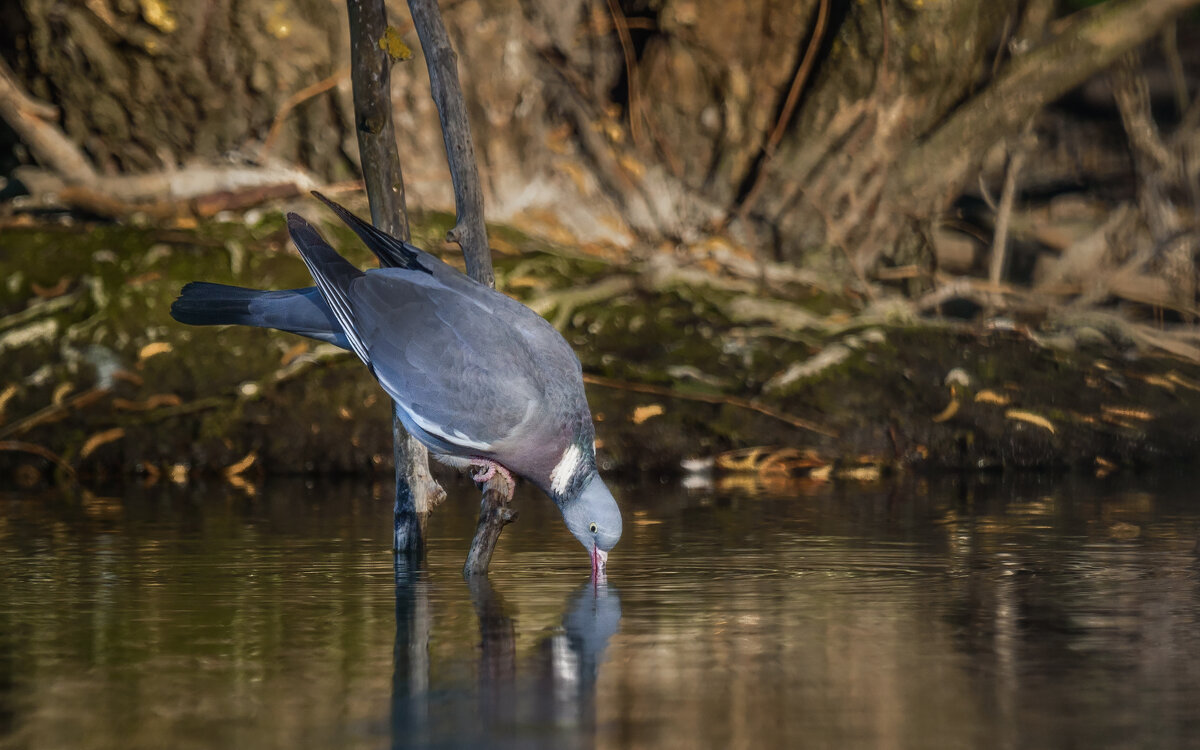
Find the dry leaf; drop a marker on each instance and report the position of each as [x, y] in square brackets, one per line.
[60, 393]
[1031, 418]
[5, 396]
[950, 410]
[642, 413]
[47, 292]
[149, 350]
[991, 397]
[1158, 380]
[153, 402]
[294, 351]
[99, 439]
[1126, 413]
[247, 461]
[741, 460]
[1180, 380]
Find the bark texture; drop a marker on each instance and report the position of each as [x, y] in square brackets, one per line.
[147, 86]
[815, 132]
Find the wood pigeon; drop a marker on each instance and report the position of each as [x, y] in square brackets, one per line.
[479, 378]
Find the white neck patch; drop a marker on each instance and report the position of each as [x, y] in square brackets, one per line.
[565, 469]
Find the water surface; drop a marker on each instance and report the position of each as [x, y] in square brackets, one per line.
[1028, 612]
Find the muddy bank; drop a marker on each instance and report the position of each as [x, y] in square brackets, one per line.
[703, 363]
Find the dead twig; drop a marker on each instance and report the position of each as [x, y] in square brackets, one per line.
[294, 101]
[20, 446]
[31, 120]
[1008, 196]
[53, 412]
[469, 231]
[635, 102]
[785, 114]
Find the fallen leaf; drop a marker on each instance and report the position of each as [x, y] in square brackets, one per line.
[741, 460]
[47, 292]
[788, 462]
[642, 413]
[145, 278]
[1159, 381]
[99, 439]
[991, 397]
[950, 410]
[1141, 415]
[294, 351]
[1180, 380]
[150, 350]
[154, 402]
[5, 396]
[1031, 418]
[247, 461]
[60, 393]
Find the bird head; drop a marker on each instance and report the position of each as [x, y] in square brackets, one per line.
[593, 517]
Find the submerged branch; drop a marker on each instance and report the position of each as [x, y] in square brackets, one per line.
[370, 75]
[469, 230]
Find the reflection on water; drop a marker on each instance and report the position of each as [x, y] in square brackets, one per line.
[545, 701]
[1022, 613]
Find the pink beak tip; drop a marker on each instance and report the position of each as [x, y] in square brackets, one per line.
[599, 560]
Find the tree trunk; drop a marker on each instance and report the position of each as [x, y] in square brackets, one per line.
[816, 132]
[148, 86]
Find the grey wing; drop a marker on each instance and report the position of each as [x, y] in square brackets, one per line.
[462, 375]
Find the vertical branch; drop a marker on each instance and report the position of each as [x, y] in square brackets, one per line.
[1008, 195]
[370, 75]
[371, 79]
[494, 514]
[469, 230]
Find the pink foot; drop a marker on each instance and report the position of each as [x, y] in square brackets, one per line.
[489, 470]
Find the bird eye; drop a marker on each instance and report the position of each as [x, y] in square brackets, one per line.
[592, 527]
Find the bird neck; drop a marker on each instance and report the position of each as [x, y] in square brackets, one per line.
[571, 472]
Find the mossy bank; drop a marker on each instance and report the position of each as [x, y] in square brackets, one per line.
[686, 361]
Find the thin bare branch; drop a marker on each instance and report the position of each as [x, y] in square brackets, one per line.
[469, 230]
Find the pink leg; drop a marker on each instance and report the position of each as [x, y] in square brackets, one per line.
[490, 469]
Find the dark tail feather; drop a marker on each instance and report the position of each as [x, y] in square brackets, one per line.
[334, 276]
[203, 304]
[301, 311]
[392, 253]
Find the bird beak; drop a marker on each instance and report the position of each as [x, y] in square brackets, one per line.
[599, 561]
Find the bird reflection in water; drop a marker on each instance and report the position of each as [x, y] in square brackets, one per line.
[546, 699]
